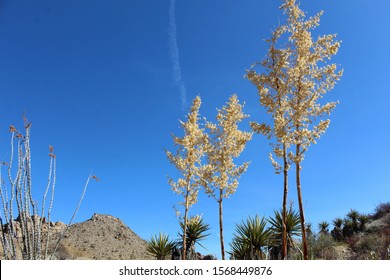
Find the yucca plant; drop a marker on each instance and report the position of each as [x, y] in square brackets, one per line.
[323, 227]
[337, 233]
[353, 215]
[338, 222]
[195, 232]
[354, 222]
[239, 250]
[160, 246]
[293, 228]
[363, 220]
[348, 228]
[309, 230]
[251, 238]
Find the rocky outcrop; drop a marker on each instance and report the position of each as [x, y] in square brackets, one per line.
[103, 237]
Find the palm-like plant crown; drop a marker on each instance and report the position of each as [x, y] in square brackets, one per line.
[196, 232]
[323, 226]
[338, 222]
[250, 238]
[160, 246]
[293, 225]
[293, 228]
[353, 215]
[363, 220]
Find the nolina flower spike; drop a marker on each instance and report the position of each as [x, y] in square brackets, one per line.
[225, 142]
[187, 160]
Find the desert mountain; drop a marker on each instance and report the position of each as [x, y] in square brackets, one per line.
[103, 237]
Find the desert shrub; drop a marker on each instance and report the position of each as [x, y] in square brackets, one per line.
[368, 243]
[387, 221]
[368, 247]
[295, 252]
[381, 210]
[352, 241]
[373, 246]
[323, 247]
[63, 253]
[384, 250]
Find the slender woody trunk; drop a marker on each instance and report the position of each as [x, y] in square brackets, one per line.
[284, 214]
[184, 252]
[301, 211]
[221, 225]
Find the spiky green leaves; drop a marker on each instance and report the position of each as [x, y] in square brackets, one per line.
[160, 246]
[196, 231]
[293, 226]
[250, 238]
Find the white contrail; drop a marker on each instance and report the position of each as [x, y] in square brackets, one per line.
[174, 52]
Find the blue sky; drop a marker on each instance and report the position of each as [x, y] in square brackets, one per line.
[97, 81]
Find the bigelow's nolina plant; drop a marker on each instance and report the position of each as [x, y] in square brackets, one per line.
[226, 142]
[28, 239]
[296, 75]
[188, 161]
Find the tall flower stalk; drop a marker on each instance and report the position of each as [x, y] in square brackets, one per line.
[297, 75]
[188, 161]
[226, 142]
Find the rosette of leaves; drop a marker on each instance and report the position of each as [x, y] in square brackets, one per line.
[160, 246]
[251, 239]
[293, 228]
[196, 232]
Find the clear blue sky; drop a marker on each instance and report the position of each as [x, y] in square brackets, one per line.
[104, 83]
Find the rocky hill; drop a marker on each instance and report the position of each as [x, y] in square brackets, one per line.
[103, 237]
